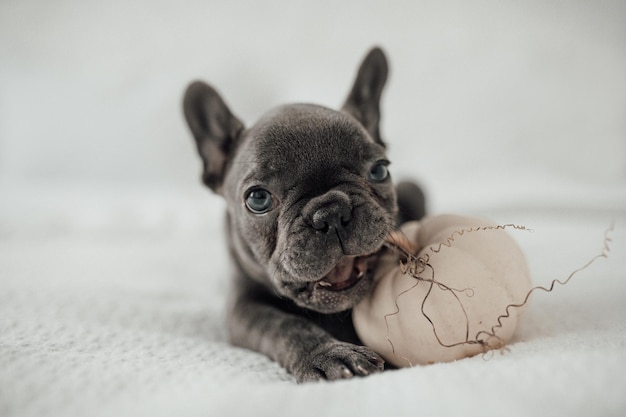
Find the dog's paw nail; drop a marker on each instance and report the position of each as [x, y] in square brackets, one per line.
[346, 373]
[362, 370]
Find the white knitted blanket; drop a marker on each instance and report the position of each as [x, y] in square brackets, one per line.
[113, 305]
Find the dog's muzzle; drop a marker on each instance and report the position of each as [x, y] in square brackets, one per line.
[347, 273]
[341, 288]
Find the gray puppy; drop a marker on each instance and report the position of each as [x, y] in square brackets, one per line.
[309, 204]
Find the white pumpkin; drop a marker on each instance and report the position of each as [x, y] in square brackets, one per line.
[472, 270]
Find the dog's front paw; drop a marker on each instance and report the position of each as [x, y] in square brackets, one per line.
[338, 360]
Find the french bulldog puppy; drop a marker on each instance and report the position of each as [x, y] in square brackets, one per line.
[309, 204]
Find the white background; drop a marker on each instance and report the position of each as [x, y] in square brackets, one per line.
[91, 91]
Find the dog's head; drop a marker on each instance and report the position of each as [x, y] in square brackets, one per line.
[310, 200]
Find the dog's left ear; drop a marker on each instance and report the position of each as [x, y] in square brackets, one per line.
[215, 129]
[363, 102]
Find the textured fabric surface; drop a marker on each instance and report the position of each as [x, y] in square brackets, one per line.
[99, 319]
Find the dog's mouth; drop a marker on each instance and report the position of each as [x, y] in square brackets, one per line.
[346, 273]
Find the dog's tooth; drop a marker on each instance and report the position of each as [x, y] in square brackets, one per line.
[324, 284]
[360, 274]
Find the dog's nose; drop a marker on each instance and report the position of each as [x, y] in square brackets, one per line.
[329, 213]
[333, 216]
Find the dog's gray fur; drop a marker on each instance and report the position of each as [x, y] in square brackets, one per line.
[330, 201]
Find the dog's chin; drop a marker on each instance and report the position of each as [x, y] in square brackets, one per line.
[341, 288]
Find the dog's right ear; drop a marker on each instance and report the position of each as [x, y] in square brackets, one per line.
[215, 129]
[363, 102]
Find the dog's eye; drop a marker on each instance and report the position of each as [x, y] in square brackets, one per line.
[379, 172]
[259, 201]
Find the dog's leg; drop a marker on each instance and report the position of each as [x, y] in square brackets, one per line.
[411, 202]
[306, 350]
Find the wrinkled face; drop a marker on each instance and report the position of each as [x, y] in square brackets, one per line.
[311, 203]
